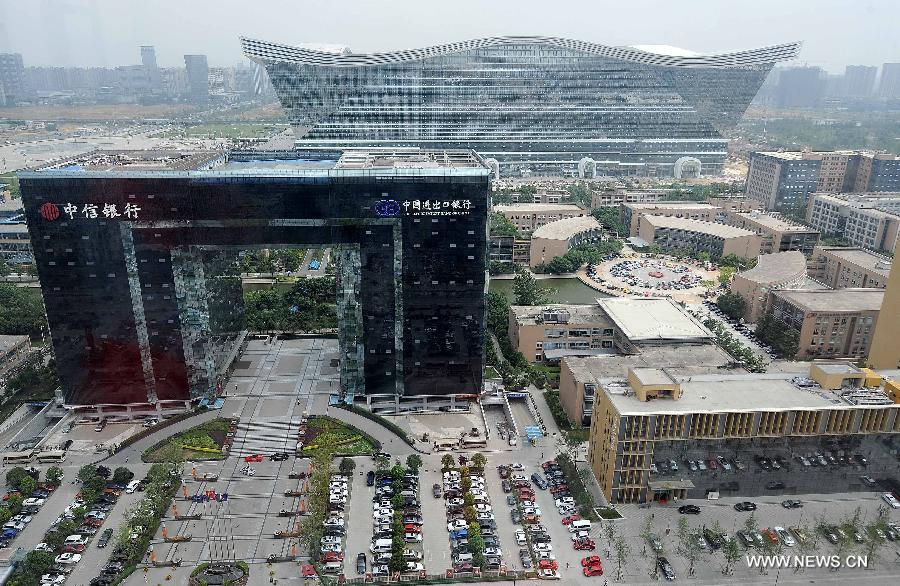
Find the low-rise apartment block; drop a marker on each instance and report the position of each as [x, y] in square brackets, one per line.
[617, 197]
[832, 323]
[15, 244]
[653, 414]
[782, 270]
[557, 238]
[528, 217]
[733, 203]
[840, 267]
[885, 352]
[868, 220]
[718, 240]
[777, 232]
[630, 213]
[548, 333]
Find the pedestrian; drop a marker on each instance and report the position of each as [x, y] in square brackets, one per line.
[567, 565]
[542, 455]
[126, 459]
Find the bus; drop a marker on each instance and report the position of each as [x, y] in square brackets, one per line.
[17, 457]
[468, 443]
[51, 456]
[446, 445]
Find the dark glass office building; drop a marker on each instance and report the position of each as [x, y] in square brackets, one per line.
[134, 248]
[527, 104]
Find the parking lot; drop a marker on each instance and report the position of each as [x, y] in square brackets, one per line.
[843, 475]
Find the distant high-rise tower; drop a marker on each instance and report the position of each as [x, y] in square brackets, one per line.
[197, 77]
[859, 80]
[800, 87]
[12, 78]
[890, 81]
[885, 351]
[148, 60]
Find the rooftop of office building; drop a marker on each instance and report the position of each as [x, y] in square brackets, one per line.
[299, 162]
[652, 319]
[682, 359]
[566, 228]
[689, 225]
[685, 205]
[834, 300]
[860, 257]
[557, 314]
[7, 343]
[816, 155]
[774, 222]
[716, 392]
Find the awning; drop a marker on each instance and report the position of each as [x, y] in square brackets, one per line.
[662, 485]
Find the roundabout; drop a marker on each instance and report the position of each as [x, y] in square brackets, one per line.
[651, 276]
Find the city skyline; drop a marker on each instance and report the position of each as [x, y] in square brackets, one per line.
[108, 34]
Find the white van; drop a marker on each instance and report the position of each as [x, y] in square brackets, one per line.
[333, 567]
[132, 486]
[75, 540]
[382, 546]
[463, 557]
[582, 525]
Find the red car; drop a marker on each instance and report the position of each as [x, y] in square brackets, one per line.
[253, 458]
[548, 565]
[570, 518]
[591, 560]
[9, 494]
[559, 488]
[92, 522]
[333, 556]
[73, 548]
[412, 529]
[712, 464]
[584, 545]
[548, 464]
[596, 570]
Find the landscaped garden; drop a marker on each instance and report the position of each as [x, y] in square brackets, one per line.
[339, 438]
[203, 442]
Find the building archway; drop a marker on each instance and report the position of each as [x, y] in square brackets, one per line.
[586, 165]
[687, 168]
[495, 168]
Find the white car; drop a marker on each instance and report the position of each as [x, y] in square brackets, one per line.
[549, 574]
[483, 508]
[543, 547]
[330, 539]
[532, 511]
[890, 500]
[527, 504]
[566, 500]
[493, 551]
[454, 503]
[248, 471]
[52, 579]
[43, 547]
[383, 520]
[33, 502]
[520, 538]
[786, 538]
[335, 547]
[518, 467]
[516, 477]
[545, 555]
[13, 525]
[458, 524]
[485, 517]
[68, 558]
[383, 513]
[414, 567]
[412, 554]
[411, 537]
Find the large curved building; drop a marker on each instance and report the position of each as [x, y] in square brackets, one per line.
[533, 104]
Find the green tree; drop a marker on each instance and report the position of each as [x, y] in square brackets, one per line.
[14, 503]
[86, 472]
[447, 462]
[732, 304]
[54, 475]
[36, 564]
[528, 291]
[725, 274]
[14, 477]
[580, 193]
[21, 311]
[4, 268]
[27, 485]
[609, 219]
[5, 515]
[122, 475]
[623, 553]
[502, 226]
[478, 460]
[414, 462]
[347, 466]
[497, 312]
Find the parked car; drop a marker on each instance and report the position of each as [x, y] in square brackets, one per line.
[745, 506]
[689, 510]
[665, 568]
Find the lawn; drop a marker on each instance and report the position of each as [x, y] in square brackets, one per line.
[345, 439]
[203, 442]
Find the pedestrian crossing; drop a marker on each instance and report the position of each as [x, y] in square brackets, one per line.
[265, 437]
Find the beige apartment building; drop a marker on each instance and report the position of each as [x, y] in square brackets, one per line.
[547, 333]
[782, 270]
[868, 220]
[833, 323]
[885, 350]
[840, 267]
[733, 203]
[718, 240]
[631, 213]
[653, 414]
[777, 232]
[13, 352]
[557, 238]
[617, 197]
[528, 217]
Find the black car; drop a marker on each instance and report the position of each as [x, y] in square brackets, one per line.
[104, 538]
[745, 506]
[792, 504]
[776, 485]
[689, 510]
[377, 455]
[370, 479]
[361, 563]
[666, 568]
[279, 456]
[101, 581]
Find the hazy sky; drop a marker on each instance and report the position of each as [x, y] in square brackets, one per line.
[109, 32]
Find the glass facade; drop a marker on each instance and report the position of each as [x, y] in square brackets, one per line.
[145, 308]
[531, 103]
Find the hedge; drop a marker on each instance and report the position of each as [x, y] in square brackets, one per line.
[381, 421]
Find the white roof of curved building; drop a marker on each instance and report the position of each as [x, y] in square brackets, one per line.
[566, 228]
[650, 319]
[776, 268]
[666, 50]
[711, 228]
[265, 51]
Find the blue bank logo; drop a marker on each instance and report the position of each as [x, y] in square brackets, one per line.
[387, 208]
